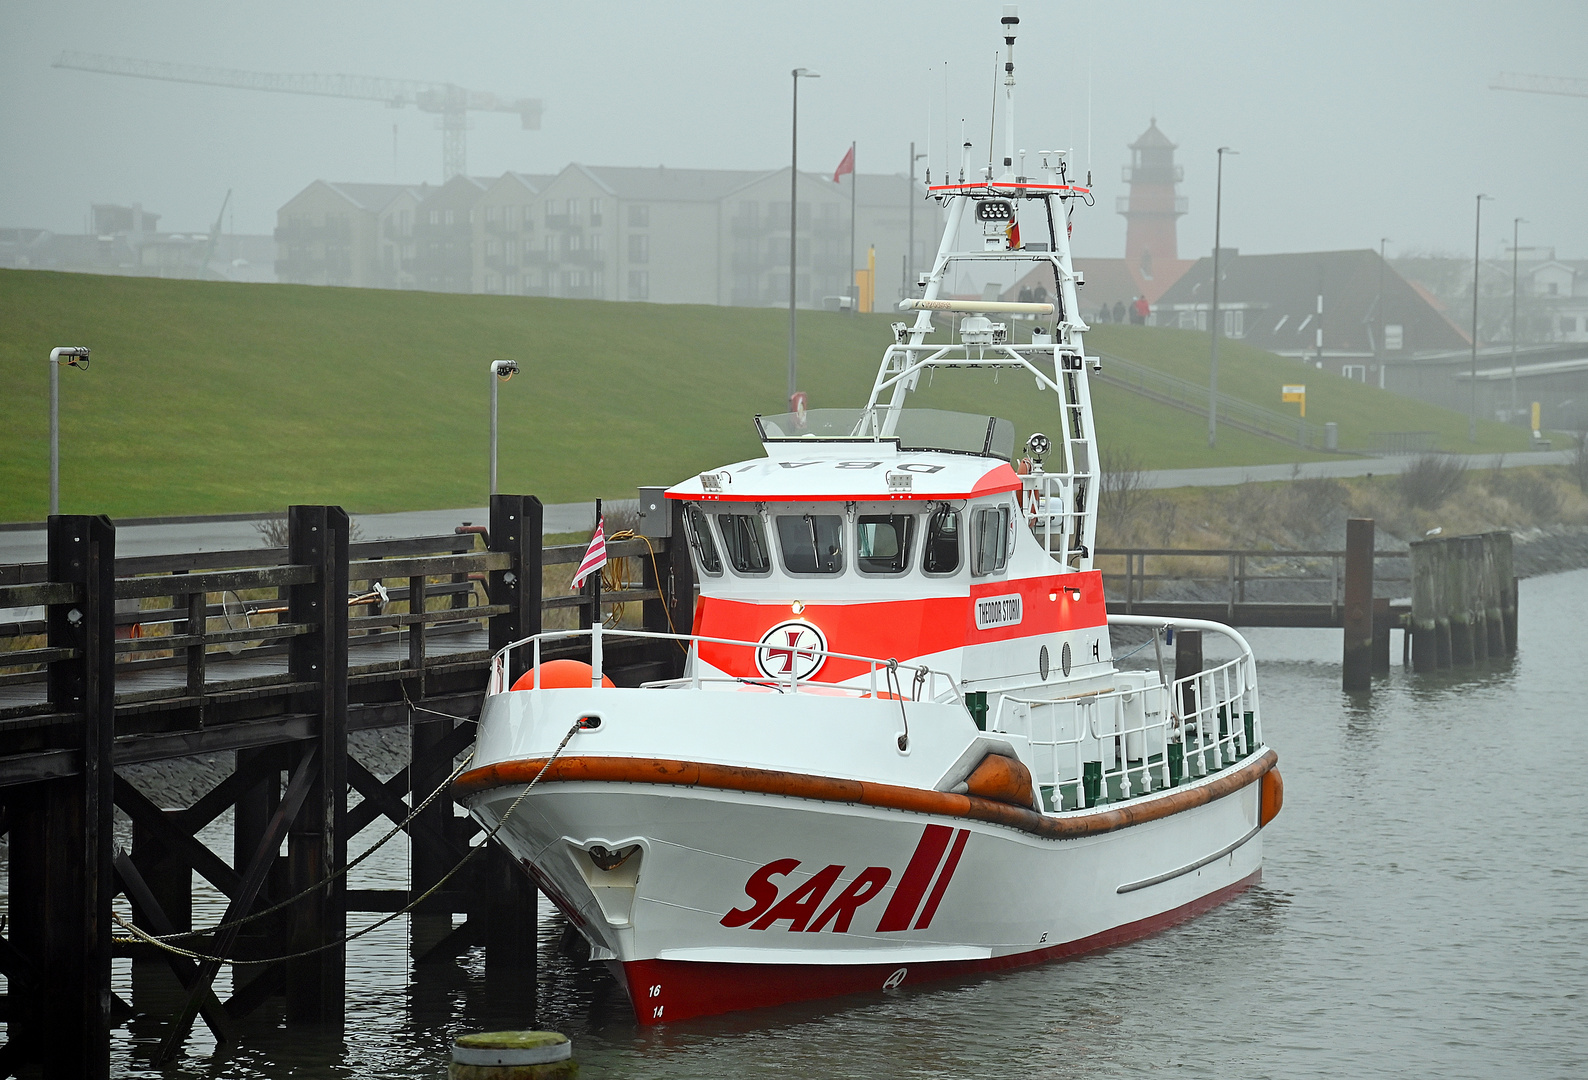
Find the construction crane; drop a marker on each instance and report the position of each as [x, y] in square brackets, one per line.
[454, 103]
[1540, 84]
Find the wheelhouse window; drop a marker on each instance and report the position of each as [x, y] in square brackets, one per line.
[744, 542]
[992, 540]
[700, 539]
[882, 543]
[811, 543]
[941, 550]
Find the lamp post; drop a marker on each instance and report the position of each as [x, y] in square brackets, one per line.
[73, 356]
[793, 221]
[501, 371]
[1472, 396]
[1382, 241]
[1516, 232]
[1213, 366]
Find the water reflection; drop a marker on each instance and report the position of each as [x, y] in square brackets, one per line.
[1421, 914]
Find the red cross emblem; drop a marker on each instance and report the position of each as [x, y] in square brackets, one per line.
[791, 650]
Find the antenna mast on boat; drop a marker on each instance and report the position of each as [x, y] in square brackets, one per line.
[1010, 20]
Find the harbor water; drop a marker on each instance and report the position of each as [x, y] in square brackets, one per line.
[1423, 912]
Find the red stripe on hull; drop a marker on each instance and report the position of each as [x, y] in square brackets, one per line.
[663, 991]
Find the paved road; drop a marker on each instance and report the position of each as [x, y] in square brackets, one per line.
[27, 545]
[1384, 466]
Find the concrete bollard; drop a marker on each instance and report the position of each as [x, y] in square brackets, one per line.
[513, 1055]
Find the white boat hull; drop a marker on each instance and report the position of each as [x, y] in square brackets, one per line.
[738, 899]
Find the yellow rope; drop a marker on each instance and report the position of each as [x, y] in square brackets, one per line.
[656, 571]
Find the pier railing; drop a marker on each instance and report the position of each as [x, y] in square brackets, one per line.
[1252, 586]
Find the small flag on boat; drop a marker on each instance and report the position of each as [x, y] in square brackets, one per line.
[595, 556]
[1013, 234]
[847, 165]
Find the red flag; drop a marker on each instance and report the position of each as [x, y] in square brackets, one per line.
[847, 165]
[595, 556]
[1013, 235]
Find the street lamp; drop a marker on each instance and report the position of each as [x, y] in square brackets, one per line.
[793, 220]
[1213, 367]
[501, 371]
[1516, 232]
[1472, 396]
[72, 356]
[1382, 241]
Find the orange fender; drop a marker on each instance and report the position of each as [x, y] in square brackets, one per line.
[1271, 796]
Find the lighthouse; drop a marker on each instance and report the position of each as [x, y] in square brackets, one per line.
[1152, 207]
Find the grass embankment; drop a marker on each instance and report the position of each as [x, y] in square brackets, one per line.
[1254, 375]
[213, 397]
[1310, 513]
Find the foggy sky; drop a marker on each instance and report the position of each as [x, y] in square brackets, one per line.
[1354, 120]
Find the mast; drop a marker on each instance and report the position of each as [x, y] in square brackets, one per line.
[1010, 21]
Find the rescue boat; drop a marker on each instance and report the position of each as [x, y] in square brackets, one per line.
[901, 748]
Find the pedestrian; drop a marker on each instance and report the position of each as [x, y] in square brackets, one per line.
[1119, 311]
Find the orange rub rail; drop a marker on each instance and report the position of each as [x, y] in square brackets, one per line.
[626, 770]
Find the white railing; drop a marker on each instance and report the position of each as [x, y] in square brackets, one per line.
[1048, 500]
[908, 682]
[1138, 736]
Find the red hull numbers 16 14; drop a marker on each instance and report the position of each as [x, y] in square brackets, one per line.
[805, 907]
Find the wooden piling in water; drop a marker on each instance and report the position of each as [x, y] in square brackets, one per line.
[1458, 603]
[1467, 584]
[317, 840]
[1494, 612]
[1187, 662]
[1383, 623]
[1425, 606]
[1356, 666]
[61, 842]
[1505, 574]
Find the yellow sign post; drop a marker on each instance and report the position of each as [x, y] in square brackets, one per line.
[1295, 393]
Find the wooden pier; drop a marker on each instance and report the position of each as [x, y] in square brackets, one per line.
[1458, 605]
[275, 655]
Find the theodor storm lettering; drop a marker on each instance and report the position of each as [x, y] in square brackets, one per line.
[994, 611]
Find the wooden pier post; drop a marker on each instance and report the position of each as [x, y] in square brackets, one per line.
[512, 915]
[1494, 597]
[1187, 662]
[1505, 573]
[1356, 666]
[1425, 606]
[1472, 551]
[1442, 603]
[317, 839]
[1458, 602]
[1383, 623]
[61, 855]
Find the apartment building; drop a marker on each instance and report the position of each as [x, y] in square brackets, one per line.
[699, 236]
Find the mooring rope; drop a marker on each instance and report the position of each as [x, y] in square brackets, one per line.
[382, 842]
[163, 942]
